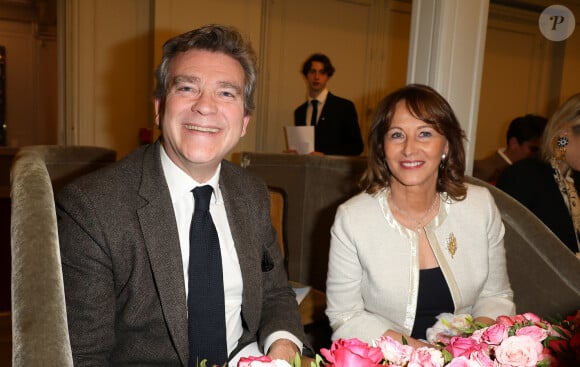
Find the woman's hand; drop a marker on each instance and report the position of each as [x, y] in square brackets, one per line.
[484, 320]
[415, 343]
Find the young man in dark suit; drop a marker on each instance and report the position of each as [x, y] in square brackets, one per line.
[336, 129]
[131, 291]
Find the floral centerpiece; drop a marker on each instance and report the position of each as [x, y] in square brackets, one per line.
[522, 340]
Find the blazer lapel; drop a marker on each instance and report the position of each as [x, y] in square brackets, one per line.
[326, 107]
[237, 212]
[300, 115]
[162, 241]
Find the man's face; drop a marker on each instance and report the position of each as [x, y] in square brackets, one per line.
[203, 117]
[317, 78]
[524, 150]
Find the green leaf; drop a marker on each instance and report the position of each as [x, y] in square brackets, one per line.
[297, 360]
[447, 357]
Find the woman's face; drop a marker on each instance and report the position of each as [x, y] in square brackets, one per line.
[413, 150]
[572, 157]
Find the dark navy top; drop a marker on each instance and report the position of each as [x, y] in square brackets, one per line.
[434, 298]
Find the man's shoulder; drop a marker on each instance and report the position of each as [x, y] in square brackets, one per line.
[526, 174]
[494, 159]
[530, 166]
[336, 99]
[490, 167]
[118, 175]
[301, 107]
[233, 172]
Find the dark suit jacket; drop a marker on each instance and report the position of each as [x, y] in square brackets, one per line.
[531, 182]
[337, 131]
[122, 266]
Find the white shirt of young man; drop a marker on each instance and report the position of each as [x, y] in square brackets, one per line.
[180, 185]
[321, 98]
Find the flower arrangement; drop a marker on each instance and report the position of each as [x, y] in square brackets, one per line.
[522, 340]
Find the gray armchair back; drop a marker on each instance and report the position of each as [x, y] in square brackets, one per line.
[544, 274]
[39, 325]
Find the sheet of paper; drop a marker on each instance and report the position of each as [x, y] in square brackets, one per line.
[300, 138]
[301, 292]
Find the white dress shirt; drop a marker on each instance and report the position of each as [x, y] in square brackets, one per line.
[180, 188]
[180, 185]
[321, 98]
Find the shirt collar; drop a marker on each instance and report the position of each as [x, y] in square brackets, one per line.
[501, 152]
[321, 97]
[180, 183]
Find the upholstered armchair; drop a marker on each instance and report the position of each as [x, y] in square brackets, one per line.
[39, 326]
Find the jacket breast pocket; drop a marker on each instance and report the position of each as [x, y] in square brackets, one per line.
[267, 262]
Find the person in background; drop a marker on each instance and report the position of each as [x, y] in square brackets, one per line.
[336, 128]
[549, 185]
[418, 240]
[132, 289]
[522, 141]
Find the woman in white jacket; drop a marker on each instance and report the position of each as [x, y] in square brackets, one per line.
[417, 241]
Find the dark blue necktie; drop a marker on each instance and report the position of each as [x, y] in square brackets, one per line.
[205, 300]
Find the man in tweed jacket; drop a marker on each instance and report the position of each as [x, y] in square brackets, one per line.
[123, 230]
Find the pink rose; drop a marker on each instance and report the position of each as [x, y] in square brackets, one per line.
[532, 317]
[459, 346]
[247, 361]
[518, 319]
[394, 352]
[481, 359]
[462, 362]
[494, 334]
[536, 333]
[352, 353]
[426, 357]
[519, 350]
[505, 320]
[262, 361]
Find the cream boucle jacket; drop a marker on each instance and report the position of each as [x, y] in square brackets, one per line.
[373, 270]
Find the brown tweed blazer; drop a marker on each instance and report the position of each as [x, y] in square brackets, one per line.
[122, 264]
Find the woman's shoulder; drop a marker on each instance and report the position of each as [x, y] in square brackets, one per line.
[475, 189]
[476, 193]
[360, 201]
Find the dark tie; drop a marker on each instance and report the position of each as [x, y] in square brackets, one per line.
[314, 112]
[205, 300]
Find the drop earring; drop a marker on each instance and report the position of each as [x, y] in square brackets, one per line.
[443, 161]
[561, 146]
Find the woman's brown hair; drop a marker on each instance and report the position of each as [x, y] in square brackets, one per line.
[425, 104]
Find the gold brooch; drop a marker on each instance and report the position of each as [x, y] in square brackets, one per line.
[452, 244]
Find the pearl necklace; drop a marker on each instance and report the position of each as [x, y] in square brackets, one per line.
[418, 222]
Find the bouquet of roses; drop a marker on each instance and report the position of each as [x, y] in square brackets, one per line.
[522, 340]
